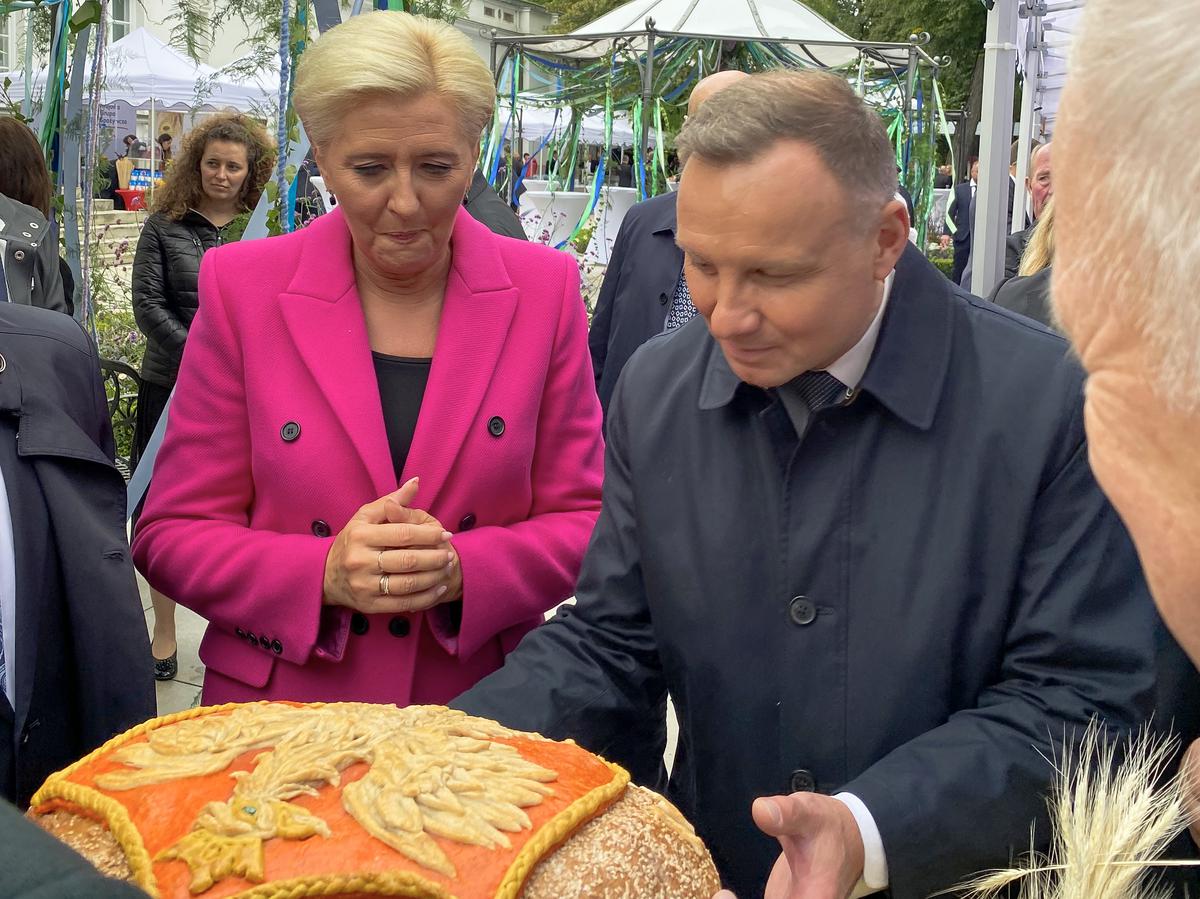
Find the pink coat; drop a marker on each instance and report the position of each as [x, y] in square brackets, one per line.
[239, 519]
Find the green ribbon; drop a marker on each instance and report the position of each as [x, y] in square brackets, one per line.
[944, 128]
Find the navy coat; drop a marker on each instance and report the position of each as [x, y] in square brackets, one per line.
[639, 284]
[913, 603]
[83, 671]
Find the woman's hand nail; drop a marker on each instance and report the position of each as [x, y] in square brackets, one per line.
[446, 536]
[441, 591]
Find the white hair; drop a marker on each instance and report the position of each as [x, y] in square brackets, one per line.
[1134, 85]
[391, 53]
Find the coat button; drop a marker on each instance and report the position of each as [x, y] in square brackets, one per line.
[398, 626]
[19, 255]
[241, 633]
[496, 426]
[26, 234]
[359, 623]
[264, 642]
[276, 647]
[467, 522]
[802, 781]
[802, 612]
[34, 225]
[662, 298]
[289, 432]
[321, 528]
[251, 639]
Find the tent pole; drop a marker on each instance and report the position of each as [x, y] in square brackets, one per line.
[910, 92]
[1029, 89]
[647, 86]
[27, 100]
[153, 143]
[999, 73]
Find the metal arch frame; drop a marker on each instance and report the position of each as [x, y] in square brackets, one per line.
[872, 49]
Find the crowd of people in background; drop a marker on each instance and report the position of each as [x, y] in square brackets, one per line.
[867, 530]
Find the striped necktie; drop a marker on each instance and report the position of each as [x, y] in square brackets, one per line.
[820, 390]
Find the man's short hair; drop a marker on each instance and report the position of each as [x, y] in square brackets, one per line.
[819, 109]
[1140, 210]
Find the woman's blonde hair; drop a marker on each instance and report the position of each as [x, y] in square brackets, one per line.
[1039, 252]
[391, 54]
[182, 188]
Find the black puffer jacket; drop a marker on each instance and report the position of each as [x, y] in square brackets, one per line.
[165, 271]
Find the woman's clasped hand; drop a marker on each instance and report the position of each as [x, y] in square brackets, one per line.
[392, 557]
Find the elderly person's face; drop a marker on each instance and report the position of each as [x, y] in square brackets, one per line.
[400, 171]
[784, 265]
[1041, 188]
[1144, 451]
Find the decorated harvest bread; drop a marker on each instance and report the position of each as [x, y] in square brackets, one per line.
[274, 800]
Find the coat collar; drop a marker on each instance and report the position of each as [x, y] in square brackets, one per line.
[912, 355]
[660, 213]
[44, 427]
[324, 315]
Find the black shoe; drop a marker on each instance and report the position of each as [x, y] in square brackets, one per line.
[166, 669]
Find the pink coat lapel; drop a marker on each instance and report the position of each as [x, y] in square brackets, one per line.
[479, 306]
[325, 319]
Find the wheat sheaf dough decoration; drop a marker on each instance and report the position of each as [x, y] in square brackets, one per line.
[433, 772]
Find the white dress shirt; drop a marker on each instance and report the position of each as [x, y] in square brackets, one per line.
[849, 369]
[8, 591]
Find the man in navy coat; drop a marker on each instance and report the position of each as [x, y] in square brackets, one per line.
[848, 524]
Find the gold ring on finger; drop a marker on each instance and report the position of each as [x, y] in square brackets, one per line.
[383, 585]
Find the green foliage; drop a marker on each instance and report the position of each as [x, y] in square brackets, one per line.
[574, 13]
[956, 28]
[10, 106]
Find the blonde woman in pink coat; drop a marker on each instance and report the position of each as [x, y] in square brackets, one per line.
[383, 458]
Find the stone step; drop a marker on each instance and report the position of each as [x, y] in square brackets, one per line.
[116, 231]
[119, 217]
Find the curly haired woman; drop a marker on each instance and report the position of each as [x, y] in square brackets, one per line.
[218, 175]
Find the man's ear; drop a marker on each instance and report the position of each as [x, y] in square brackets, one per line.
[892, 237]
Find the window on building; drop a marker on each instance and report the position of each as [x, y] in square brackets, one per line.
[6, 42]
[120, 21]
[508, 17]
[489, 12]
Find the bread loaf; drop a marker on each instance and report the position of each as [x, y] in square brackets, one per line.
[273, 800]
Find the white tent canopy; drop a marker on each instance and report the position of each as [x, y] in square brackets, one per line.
[747, 20]
[1042, 50]
[141, 70]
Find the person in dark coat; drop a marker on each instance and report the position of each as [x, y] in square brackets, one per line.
[962, 215]
[1027, 295]
[644, 291]
[33, 273]
[848, 525]
[72, 671]
[487, 208]
[27, 234]
[1041, 190]
[37, 866]
[643, 278]
[218, 176]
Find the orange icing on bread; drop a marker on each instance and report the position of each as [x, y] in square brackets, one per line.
[148, 820]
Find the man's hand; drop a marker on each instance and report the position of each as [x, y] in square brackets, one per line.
[822, 849]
